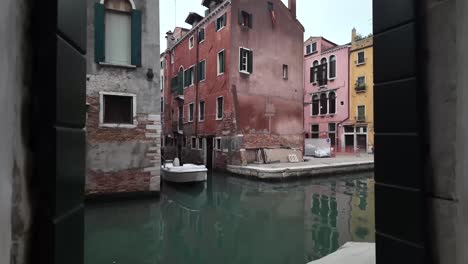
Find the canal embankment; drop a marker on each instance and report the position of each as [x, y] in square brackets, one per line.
[311, 167]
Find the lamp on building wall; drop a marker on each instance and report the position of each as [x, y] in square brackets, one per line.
[150, 75]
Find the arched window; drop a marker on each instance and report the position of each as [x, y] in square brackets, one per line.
[332, 103]
[322, 72]
[332, 67]
[314, 72]
[315, 105]
[117, 32]
[323, 104]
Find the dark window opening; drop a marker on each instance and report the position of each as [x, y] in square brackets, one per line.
[219, 107]
[202, 71]
[194, 143]
[285, 71]
[218, 144]
[323, 104]
[221, 62]
[118, 109]
[315, 131]
[314, 72]
[202, 111]
[315, 105]
[322, 74]
[332, 103]
[201, 35]
[332, 73]
[200, 143]
[191, 112]
[245, 19]
[361, 113]
[361, 58]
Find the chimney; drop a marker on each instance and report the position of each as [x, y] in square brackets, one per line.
[292, 7]
[170, 39]
[353, 35]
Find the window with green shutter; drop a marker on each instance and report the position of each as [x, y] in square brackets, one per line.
[202, 70]
[117, 29]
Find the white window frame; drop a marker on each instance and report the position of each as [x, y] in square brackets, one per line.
[312, 105]
[191, 42]
[101, 110]
[218, 65]
[225, 22]
[204, 35]
[172, 57]
[218, 108]
[357, 111]
[357, 59]
[192, 75]
[246, 71]
[362, 76]
[312, 132]
[162, 83]
[315, 77]
[217, 146]
[192, 146]
[199, 111]
[204, 79]
[190, 118]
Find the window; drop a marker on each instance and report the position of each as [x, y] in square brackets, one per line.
[191, 40]
[311, 48]
[194, 143]
[315, 105]
[118, 37]
[361, 113]
[218, 143]
[245, 60]
[189, 77]
[323, 104]
[221, 22]
[332, 70]
[314, 72]
[332, 103]
[322, 73]
[245, 19]
[221, 62]
[191, 105]
[285, 71]
[349, 129]
[163, 64]
[315, 131]
[162, 105]
[219, 108]
[200, 143]
[361, 59]
[172, 57]
[162, 83]
[184, 142]
[201, 35]
[332, 133]
[270, 6]
[201, 70]
[201, 111]
[117, 108]
[361, 83]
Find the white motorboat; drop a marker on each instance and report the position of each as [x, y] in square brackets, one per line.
[183, 174]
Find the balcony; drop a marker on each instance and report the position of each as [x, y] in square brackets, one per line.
[360, 87]
[360, 118]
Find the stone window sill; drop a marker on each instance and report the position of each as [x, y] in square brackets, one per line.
[108, 64]
[118, 125]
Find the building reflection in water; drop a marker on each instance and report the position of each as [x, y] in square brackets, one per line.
[232, 220]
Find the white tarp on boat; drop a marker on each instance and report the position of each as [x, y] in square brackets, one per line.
[350, 253]
[317, 147]
[185, 168]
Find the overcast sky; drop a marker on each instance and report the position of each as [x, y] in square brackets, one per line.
[332, 19]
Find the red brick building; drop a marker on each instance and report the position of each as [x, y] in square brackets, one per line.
[234, 83]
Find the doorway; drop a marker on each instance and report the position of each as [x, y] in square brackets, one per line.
[209, 152]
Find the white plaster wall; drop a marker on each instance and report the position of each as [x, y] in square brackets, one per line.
[14, 209]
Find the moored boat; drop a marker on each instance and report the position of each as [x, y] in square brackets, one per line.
[183, 174]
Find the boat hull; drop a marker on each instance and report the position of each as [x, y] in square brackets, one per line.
[183, 177]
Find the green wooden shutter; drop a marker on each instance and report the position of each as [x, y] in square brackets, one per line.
[241, 18]
[136, 37]
[250, 20]
[241, 50]
[312, 74]
[250, 62]
[99, 33]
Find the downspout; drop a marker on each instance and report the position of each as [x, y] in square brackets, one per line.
[349, 95]
[197, 65]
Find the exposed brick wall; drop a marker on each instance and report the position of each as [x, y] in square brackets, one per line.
[253, 141]
[132, 180]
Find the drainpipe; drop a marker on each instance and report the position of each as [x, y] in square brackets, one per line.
[349, 95]
[196, 83]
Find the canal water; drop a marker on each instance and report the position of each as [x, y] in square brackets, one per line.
[233, 220]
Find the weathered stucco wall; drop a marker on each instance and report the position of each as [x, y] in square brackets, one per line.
[447, 80]
[14, 82]
[125, 159]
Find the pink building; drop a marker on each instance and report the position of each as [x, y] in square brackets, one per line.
[326, 89]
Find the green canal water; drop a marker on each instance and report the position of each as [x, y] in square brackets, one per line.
[233, 220]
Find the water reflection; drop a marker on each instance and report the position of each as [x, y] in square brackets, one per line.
[232, 220]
